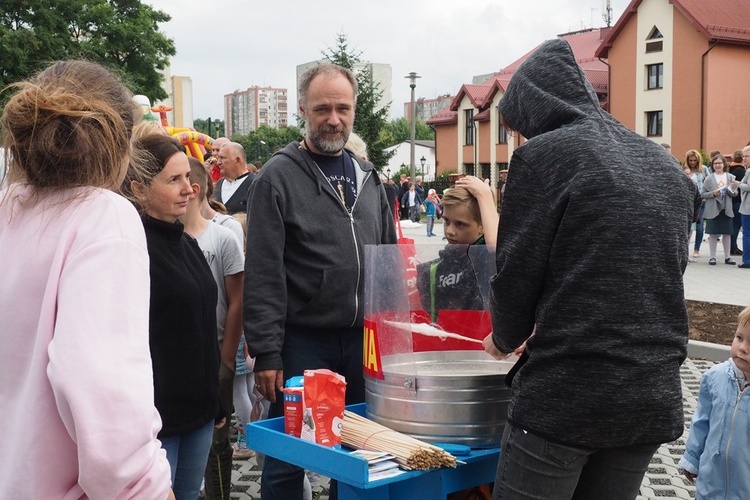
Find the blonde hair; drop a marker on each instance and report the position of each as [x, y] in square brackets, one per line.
[69, 126]
[460, 196]
[198, 175]
[694, 153]
[356, 145]
[147, 127]
[743, 318]
[241, 217]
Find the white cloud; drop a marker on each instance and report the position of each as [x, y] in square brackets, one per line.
[226, 45]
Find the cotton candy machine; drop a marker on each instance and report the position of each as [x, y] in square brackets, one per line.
[459, 397]
[426, 373]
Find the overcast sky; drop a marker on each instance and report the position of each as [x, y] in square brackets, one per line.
[227, 45]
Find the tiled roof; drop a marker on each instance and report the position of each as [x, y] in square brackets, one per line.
[724, 20]
[483, 116]
[476, 94]
[717, 20]
[445, 117]
[599, 79]
[583, 43]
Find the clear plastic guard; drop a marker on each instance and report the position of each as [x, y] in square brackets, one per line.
[423, 298]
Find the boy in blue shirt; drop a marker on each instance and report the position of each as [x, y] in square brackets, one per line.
[716, 456]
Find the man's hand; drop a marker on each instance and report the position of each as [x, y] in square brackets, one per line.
[489, 348]
[690, 476]
[268, 382]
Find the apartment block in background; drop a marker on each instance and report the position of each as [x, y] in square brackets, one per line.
[246, 110]
[180, 99]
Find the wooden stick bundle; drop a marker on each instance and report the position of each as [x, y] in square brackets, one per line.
[363, 434]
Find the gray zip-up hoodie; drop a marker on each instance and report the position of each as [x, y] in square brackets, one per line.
[591, 249]
[305, 251]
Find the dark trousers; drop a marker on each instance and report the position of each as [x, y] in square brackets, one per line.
[533, 467]
[219, 466]
[339, 350]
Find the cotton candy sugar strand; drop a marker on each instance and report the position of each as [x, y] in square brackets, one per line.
[410, 453]
[429, 331]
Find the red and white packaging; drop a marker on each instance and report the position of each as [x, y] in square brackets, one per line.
[293, 408]
[324, 403]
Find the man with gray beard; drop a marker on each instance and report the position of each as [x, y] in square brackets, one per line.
[311, 211]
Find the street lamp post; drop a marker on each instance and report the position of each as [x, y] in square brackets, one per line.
[422, 161]
[388, 173]
[413, 118]
[264, 146]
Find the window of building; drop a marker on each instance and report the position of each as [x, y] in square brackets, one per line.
[502, 132]
[654, 121]
[486, 170]
[657, 45]
[655, 74]
[469, 168]
[654, 34]
[469, 114]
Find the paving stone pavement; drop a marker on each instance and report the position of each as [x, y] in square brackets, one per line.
[722, 284]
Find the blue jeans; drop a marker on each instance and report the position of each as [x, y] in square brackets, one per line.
[699, 228]
[339, 350]
[430, 224]
[187, 455]
[745, 239]
[531, 467]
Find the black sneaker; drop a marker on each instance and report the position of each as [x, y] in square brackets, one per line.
[744, 266]
[729, 262]
[712, 262]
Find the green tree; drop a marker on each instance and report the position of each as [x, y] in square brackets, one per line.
[272, 139]
[120, 34]
[369, 121]
[399, 130]
[215, 130]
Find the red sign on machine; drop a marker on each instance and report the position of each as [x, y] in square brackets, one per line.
[371, 361]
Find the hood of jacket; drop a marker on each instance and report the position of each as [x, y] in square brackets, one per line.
[548, 91]
[295, 152]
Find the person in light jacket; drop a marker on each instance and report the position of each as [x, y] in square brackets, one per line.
[716, 455]
[718, 190]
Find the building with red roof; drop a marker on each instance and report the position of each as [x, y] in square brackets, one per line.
[679, 72]
[469, 137]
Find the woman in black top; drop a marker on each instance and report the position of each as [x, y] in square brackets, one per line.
[182, 318]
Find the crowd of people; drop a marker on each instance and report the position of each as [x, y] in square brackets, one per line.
[150, 296]
[725, 206]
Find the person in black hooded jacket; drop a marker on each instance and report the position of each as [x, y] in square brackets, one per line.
[598, 388]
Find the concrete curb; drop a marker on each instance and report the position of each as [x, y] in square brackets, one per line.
[706, 350]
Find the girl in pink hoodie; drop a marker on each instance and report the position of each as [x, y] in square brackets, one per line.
[74, 352]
